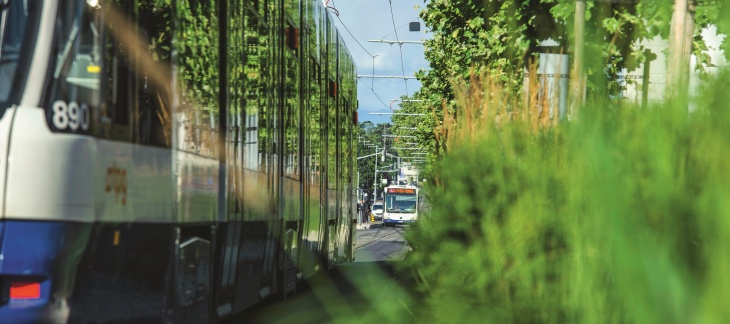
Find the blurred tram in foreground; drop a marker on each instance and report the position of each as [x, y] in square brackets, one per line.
[170, 161]
[401, 205]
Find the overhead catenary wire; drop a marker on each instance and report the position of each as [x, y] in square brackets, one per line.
[372, 87]
[353, 36]
[400, 46]
[337, 12]
[366, 51]
[401, 27]
[381, 100]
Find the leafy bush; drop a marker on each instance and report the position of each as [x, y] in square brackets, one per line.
[619, 216]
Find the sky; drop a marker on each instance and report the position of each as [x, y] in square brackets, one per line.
[372, 20]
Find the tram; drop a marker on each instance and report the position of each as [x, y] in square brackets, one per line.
[170, 161]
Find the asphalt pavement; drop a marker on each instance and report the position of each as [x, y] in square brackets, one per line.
[366, 291]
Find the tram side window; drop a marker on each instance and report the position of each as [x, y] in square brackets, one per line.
[152, 119]
[291, 105]
[255, 99]
[315, 122]
[117, 80]
[258, 8]
[14, 50]
[74, 72]
[332, 139]
[198, 77]
[343, 125]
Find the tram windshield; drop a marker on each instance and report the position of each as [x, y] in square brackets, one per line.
[400, 203]
[18, 23]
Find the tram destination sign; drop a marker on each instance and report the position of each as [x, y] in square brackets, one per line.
[402, 191]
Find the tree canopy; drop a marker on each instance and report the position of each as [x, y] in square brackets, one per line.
[503, 38]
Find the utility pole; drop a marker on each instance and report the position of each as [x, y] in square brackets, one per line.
[648, 58]
[375, 177]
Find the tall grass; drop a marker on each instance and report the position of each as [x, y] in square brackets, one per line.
[622, 215]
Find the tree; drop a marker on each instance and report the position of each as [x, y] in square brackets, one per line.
[502, 37]
[368, 136]
[473, 36]
[688, 19]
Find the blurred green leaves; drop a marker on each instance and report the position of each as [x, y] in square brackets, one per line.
[621, 216]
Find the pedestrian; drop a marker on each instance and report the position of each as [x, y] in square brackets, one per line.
[360, 210]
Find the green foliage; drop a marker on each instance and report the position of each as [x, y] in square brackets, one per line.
[621, 216]
[503, 36]
[369, 135]
[198, 55]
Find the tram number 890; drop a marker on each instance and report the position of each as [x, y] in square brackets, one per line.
[70, 116]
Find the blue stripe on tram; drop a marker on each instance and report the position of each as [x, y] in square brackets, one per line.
[85, 272]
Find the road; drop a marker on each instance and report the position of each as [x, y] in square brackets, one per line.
[366, 291]
[379, 243]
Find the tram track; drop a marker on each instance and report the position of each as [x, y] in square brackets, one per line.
[396, 231]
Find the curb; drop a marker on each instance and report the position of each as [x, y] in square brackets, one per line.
[369, 225]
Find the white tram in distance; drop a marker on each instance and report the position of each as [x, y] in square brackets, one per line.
[170, 161]
[400, 205]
